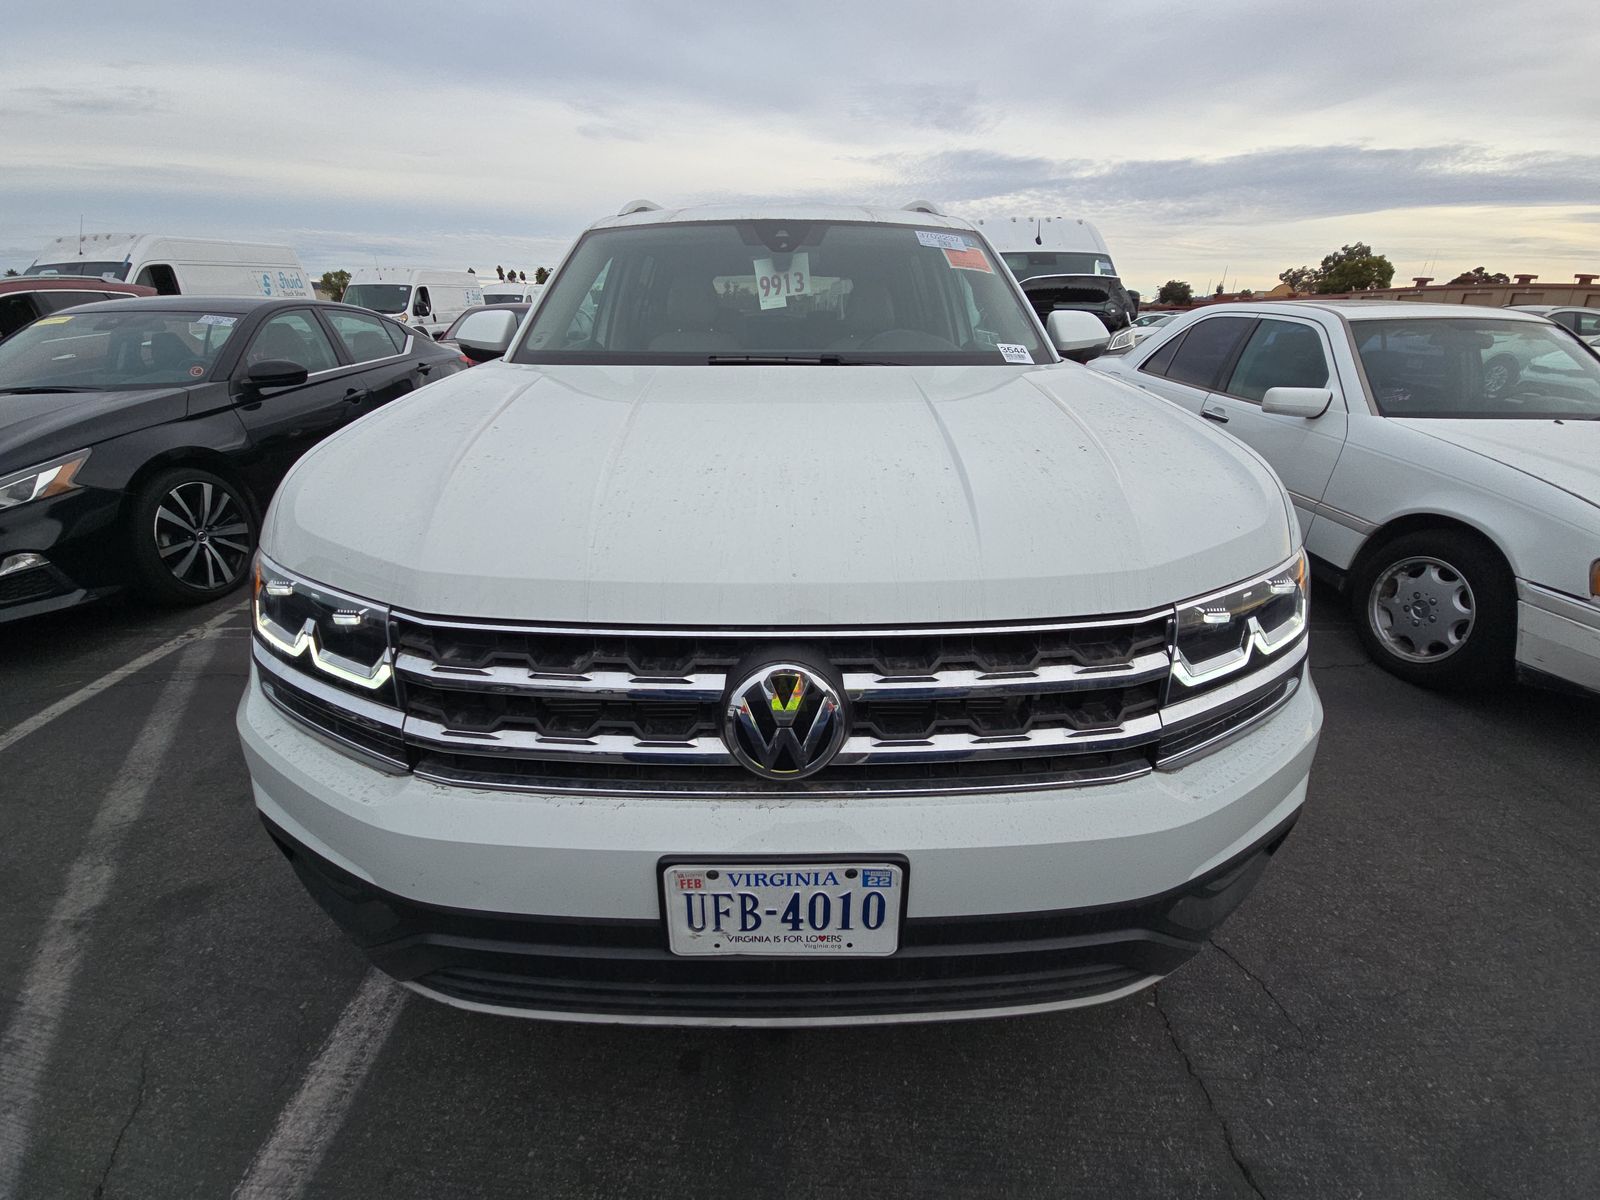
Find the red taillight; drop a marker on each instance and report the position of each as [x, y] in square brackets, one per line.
[465, 359]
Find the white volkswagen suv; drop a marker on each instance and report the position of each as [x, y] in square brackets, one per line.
[780, 634]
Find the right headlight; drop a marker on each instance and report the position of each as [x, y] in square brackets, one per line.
[42, 482]
[331, 636]
[1219, 635]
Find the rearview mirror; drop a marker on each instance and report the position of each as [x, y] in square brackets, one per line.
[1079, 336]
[1296, 401]
[275, 373]
[486, 335]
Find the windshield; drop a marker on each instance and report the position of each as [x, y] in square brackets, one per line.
[101, 351]
[1033, 263]
[379, 297]
[502, 295]
[1154, 319]
[785, 291]
[1471, 367]
[77, 266]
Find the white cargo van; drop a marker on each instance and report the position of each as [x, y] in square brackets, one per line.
[506, 291]
[1063, 263]
[1048, 245]
[428, 300]
[178, 266]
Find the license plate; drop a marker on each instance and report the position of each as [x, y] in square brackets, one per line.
[815, 910]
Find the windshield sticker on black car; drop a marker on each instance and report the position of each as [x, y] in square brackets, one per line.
[1014, 354]
[216, 319]
[774, 287]
[942, 241]
[52, 320]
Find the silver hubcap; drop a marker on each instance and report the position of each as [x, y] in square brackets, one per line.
[1421, 609]
[202, 535]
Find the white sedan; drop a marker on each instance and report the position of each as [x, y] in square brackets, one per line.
[1444, 462]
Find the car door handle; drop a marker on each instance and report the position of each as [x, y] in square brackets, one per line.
[424, 368]
[357, 395]
[1214, 412]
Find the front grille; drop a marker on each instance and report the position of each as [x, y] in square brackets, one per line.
[39, 583]
[640, 712]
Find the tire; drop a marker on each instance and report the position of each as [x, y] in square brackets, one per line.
[171, 566]
[1437, 608]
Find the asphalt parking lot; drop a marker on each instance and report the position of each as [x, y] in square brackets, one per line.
[1406, 1007]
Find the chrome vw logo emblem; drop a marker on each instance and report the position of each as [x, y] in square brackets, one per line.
[784, 722]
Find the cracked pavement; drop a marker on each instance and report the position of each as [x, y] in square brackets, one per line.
[1405, 1007]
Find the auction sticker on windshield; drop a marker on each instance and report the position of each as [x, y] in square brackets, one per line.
[816, 910]
[774, 287]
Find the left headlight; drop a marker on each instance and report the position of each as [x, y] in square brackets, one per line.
[1123, 339]
[1218, 635]
[335, 637]
[45, 480]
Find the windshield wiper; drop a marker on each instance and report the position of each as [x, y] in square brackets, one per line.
[760, 360]
[37, 390]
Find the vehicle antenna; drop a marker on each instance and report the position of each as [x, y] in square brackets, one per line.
[80, 235]
[1038, 231]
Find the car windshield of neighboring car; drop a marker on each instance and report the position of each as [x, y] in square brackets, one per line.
[1477, 367]
[1153, 319]
[502, 295]
[781, 291]
[1032, 263]
[379, 297]
[74, 266]
[104, 351]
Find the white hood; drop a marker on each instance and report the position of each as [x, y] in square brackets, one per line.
[1566, 454]
[782, 495]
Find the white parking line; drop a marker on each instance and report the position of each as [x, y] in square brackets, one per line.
[90, 690]
[286, 1163]
[41, 1004]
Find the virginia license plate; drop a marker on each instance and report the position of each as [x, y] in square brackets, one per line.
[816, 910]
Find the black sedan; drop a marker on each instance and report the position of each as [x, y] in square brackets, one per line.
[140, 440]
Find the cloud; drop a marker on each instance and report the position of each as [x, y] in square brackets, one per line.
[91, 100]
[1294, 182]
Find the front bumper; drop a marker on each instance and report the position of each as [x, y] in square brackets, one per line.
[76, 534]
[1558, 637]
[548, 905]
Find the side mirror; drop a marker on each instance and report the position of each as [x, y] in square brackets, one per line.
[486, 335]
[275, 373]
[421, 309]
[1077, 335]
[1309, 403]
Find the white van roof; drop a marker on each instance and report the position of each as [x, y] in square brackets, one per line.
[1069, 234]
[417, 275]
[122, 247]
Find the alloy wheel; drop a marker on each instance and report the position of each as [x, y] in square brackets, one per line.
[203, 535]
[1421, 609]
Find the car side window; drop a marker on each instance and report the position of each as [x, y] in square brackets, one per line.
[1279, 354]
[366, 338]
[1207, 350]
[296, 337]
[15, 312]
[1159, 362]
[55, 301]
[1585, 325]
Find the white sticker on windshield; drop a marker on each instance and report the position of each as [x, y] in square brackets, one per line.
[943, 241]
[216, 319]
[1013, 353]
[774, 287]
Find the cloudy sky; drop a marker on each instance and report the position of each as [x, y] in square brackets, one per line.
[1227, 136]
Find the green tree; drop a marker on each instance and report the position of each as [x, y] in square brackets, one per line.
[1348, 269]
[541, 274]
[334, 283]
[1479, 275]
[1354, 269]
[1175, 291]
[10, 271]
